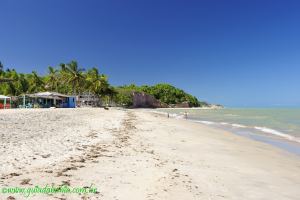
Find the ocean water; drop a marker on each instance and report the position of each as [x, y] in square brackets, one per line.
[276, 126]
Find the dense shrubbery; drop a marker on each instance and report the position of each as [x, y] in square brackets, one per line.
[123, 97]
[166, 93]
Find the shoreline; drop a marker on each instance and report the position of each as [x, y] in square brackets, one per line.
[193, 108]
[133, 154]
[263, 134]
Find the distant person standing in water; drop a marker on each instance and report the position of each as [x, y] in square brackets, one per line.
[185, 115]
[168, 115]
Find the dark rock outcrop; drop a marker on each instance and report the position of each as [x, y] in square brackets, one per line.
[143, 100]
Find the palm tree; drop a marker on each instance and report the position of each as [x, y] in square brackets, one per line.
[96, 83]
[74, 75]
[5, 76]
[52, 79]
[1, 67]
[22, 84]
[11, 88]
[36, 82]
[63, 85]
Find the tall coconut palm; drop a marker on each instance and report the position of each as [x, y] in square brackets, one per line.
[7, 79]
[1, 67]
[96, 83]
[63, 76]
[22, 84]
[74, 76]
[36, 82]
[10, 88]
[52, 79]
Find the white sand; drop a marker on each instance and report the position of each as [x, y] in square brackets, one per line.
[138, 155]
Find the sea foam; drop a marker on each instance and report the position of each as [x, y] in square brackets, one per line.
[278, 133]
[239, 125]
[205, 122]
[235, 125]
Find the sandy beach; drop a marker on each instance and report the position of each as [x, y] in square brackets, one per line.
[133, 154]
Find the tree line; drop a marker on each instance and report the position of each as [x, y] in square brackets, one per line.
[69, 78]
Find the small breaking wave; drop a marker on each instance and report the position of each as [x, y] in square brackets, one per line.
[235, 125]
[224, 123]
[278, 133]
[262, 129]
[231, 115]
[239, 125]
[206, 122]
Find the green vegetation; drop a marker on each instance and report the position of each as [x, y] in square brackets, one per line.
[165, 93]
[69, 78]
[123, 96]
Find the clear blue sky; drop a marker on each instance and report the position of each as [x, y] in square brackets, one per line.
[237, 53]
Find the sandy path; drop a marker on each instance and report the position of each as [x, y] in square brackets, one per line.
[138, 155]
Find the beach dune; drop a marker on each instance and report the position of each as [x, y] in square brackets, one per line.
[134, 154]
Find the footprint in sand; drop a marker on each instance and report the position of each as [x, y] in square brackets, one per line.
[25, 181]
[66, 183]
[46, 156]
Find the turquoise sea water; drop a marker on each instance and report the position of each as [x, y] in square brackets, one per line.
[265, 124]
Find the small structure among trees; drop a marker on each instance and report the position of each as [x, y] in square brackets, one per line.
[4, 104]
[88, 100]
[46, 100]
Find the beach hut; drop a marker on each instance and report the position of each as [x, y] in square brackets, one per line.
[4, 102]
[47, 100]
